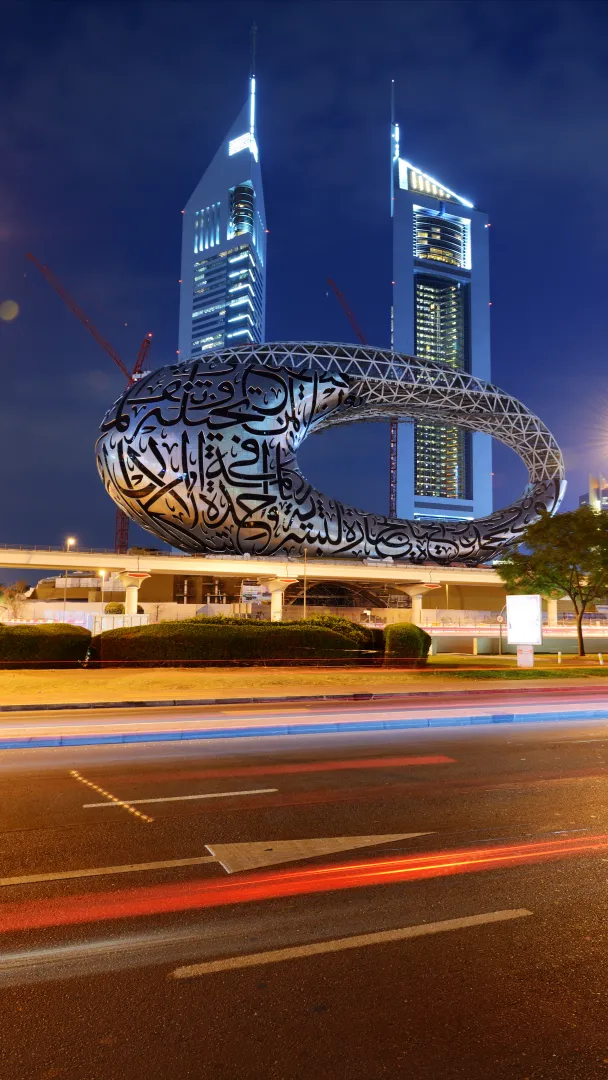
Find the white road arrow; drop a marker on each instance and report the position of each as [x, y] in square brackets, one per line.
[236, 857]
[233, 857]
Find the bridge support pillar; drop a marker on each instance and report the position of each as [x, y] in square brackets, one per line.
[276, 588]
[131, 582]
[551, 612]
[416, 607]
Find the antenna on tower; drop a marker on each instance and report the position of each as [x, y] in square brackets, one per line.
[394, 146]
[252, 142]
[254, 34]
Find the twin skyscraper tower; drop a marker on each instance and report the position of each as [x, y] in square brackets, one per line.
[440, 305]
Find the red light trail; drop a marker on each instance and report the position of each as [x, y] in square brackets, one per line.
[190, 895]
[290, 769]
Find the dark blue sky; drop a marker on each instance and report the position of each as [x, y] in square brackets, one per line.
[109, 114]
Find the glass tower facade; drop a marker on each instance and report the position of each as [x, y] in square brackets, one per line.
[440, 312]
[223, 280]
[442, 454]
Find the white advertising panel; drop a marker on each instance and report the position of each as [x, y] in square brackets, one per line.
[524, 620]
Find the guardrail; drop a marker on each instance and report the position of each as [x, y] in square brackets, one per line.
[60, 548]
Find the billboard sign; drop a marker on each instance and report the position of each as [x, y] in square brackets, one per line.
[524, 620]
[252, 592]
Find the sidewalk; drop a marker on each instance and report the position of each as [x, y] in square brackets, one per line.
[153, 722]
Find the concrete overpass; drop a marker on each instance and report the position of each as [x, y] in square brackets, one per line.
[276, 573]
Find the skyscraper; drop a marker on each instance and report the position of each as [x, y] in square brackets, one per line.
[441, 297]
[223, 278]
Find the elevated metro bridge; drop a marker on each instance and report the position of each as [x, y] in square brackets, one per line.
[276, 573]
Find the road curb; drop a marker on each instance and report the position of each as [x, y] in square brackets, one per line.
[172, 703]
[251, 732]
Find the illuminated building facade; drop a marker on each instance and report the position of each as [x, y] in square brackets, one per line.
[597, 496]
[223, 277]
[441, 298]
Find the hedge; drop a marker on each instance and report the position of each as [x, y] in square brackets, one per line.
[367, 637]
[45, 643]
[363, 636]
[406, 641]
[199, 641]
[115, 607]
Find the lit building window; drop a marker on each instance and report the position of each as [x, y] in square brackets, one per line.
[442, 454]
[441, 238]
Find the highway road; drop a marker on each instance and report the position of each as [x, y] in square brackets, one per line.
[419, 904]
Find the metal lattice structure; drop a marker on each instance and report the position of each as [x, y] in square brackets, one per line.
[203, 453]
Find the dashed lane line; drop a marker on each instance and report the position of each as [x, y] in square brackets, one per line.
[179, 798]
[383, 937]
[113, 801]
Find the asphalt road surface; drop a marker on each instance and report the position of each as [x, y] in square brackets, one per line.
[444, 915]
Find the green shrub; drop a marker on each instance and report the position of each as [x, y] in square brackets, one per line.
[363, 636]
[223, 620]
[406, 641]
[355, 631]
[199, 641]
[45, 643]
[116, 608]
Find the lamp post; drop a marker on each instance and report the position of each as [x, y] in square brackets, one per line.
[305, 587]
[102, 574]
[69, 543]
[500, 620]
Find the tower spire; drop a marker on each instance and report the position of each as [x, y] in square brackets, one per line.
[394, 145]
[254, 34]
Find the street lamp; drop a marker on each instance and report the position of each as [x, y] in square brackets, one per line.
[69, 542]
[102, 574]
[500, 620]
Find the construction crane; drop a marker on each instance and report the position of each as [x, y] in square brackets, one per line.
[394, 425]
[121, 528]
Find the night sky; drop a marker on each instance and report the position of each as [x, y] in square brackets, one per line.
[110, 113]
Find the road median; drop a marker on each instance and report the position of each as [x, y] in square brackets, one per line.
[418, 711]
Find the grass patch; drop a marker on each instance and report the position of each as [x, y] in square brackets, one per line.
[528, 673]
[20, 687]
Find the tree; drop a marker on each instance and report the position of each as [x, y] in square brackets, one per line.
[566, 554]
[12, 598]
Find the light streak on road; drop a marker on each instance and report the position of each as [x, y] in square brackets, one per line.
[289, 769]
[190, 895]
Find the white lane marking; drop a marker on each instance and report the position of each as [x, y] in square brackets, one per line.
[113, 800]
[231, 963]
[248, 856]
[182, 798]
[99, 871]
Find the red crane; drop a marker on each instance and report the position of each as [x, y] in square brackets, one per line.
[121, 529]
[394, 425]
